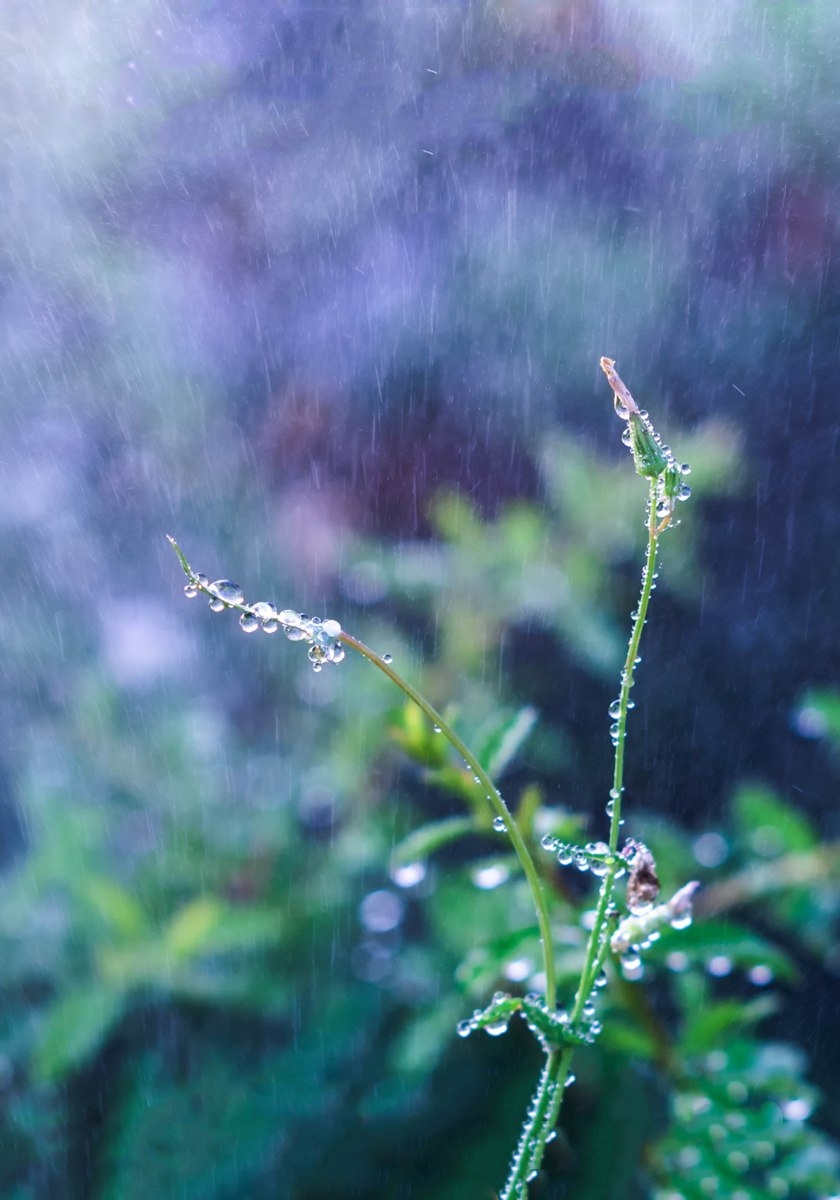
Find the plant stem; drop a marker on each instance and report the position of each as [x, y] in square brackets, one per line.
[493, 795]
[596, 948]
[550, 1090]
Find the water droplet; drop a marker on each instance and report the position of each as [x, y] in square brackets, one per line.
[684, 492]
[331, 628]
[565, 856]
[685, 469]
[681, 921]
[190, 591]
[338, 654]
[499, 824]
[217, 605]
[614, 710]
[610, 809]
[496, 1029]
[719, 965]
[570, 1079]
[228, 591]
[760, 975]
[436, 729]
[549, 842]
[294, 633]
[627, 436]
[289, 617]
[387, 658]
[271, 625]
[264, 611]
[663, 508]
[249, 623]
[622, 409]
[464, 1028]
[631, 965]
[201, 580]
[601, 980]
[581, 861]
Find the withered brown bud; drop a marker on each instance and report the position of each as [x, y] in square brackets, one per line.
[643, 884]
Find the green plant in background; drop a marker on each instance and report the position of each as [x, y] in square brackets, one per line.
[558, 1030]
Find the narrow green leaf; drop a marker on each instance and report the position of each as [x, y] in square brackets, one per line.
[422, 842]
[74, 1028]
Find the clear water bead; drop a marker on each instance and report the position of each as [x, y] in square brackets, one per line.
[228, 591]
[614, 710]
[499, 824]
[217, 605]
[190, 591]
[249, 623]
[388, 658]
[331, 628]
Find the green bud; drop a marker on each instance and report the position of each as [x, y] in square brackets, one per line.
[647, 451]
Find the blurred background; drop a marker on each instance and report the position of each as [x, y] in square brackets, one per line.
[321, 290]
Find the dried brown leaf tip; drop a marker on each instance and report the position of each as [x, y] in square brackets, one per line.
[643, 884]
[625, 405]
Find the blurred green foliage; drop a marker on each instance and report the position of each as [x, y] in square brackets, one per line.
[193, 956]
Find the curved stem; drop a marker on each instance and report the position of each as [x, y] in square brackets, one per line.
[493, 795]
[491, 791]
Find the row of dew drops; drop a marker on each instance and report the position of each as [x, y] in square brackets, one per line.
[320, 634]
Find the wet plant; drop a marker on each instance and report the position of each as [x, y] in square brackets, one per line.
[626, 921]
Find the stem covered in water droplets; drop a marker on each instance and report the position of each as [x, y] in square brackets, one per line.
[558, 1032]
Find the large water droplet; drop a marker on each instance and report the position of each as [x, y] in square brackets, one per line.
[614, 710]
[249, 623]
[496, 1029]
[217, 605]
[331, 628]
[388, 658]
[190, 591]
[228, 591]
[499, 824]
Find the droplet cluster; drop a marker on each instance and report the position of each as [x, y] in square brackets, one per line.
[640, 930]
[594, 856]
[321, 636]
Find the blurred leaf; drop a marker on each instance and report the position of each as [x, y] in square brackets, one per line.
[503, 742]
[705, 1029]
[74, 1028]
[210, 926]
[705, 940]
[818, 714]
[423, 842]
[114, 905]
[768, 825]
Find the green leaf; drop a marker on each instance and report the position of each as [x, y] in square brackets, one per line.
[705, 1029]
[74, 1028]
[705, 940]
[210, 926]
[423, 842]
[504, 741]
[769, 825]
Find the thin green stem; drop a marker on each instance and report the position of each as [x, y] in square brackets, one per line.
[491, 791]
[648, 575]
[596, 948]
[493, 795]
[539, 1125]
